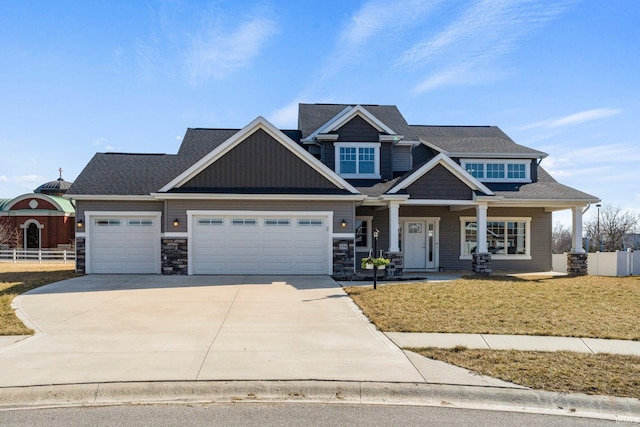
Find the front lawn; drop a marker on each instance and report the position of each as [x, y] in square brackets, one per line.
[19, 278]
[565, 372]
[591, 306]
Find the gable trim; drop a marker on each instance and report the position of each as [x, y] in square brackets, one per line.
[451, 166]
[347, 114]
[258, 123]
[43, 197]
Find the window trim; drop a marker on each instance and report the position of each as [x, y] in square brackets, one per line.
[505, 163]
[369, 221]
[527, 236]
[376, 166]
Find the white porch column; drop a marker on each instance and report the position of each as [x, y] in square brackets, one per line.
[481, 221]
[394, 222]
[576, 230]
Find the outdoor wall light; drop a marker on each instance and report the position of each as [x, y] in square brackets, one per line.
[80, 223]
[176, 222]
[343, 223]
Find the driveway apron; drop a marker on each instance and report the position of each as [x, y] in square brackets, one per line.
[154, 328]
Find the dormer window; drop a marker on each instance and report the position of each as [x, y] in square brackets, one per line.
[498, 170]
[358, 160]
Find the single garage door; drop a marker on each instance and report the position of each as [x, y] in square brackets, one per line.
[260, 244]
[125, 245]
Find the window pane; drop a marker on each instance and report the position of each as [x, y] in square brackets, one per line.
[495, 170]
[470, 237]
[516, 171]
[475, 169]
[347, 160]
[361, 233]
[366, 160]
[516, 237]
[495, 237]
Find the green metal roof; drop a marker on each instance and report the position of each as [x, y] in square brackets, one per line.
[4, 203]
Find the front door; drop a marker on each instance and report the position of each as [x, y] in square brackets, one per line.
[420, 244]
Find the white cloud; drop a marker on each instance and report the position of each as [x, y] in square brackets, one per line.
[99, 141]
[287, 116]
[4, 178]
[574, 119]
[474, 40]
[219, 52]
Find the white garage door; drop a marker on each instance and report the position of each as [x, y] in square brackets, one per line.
[125, 245]
[260, 244]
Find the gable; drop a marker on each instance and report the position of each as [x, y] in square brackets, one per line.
[238, 171]
[358, 130]
[439, 184]
[259, 162]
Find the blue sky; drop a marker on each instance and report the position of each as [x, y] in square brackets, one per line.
[80, 77]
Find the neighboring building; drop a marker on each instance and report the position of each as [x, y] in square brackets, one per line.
[306, 201]
[41, 220]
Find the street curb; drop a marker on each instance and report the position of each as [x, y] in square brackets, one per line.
[417, 394]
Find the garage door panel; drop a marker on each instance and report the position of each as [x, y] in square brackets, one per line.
[125, 245]
[268, 245]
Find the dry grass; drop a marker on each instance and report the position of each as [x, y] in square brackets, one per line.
[603, 374]
[19, 278]
[591, 306]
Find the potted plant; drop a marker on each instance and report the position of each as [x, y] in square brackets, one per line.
[369, 262]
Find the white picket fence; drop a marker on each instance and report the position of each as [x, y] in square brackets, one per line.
[618, 263]
[35, 255]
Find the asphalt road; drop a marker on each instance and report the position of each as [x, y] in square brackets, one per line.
[282, 414]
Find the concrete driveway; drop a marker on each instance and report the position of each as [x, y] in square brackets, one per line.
[152, 328]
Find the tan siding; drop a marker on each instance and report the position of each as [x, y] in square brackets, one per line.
[341, 210]
[110, 205]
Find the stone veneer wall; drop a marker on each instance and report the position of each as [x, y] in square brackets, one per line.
[343, 258]
[174, 256]
[481, 264]
[577, 264]
[396, 266]
[81, 255]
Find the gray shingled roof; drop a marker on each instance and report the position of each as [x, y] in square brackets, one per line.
[470, 140]
[311, 117]
[128, 174]
[546, 188]
[198, 142]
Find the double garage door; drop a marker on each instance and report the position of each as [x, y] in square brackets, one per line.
[251, 243]
[259, 243]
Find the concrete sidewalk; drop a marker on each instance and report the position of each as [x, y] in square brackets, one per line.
[515, 342]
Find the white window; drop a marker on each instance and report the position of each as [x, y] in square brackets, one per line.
[358, 160]
[507, 238]
[310, 222]
[277, 222]
[498, 170]
[108, 222]
[244, 221]
[210, 221]
[363, 232]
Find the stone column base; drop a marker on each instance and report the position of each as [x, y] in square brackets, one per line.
[343, 258]
[396, 266]
[577, 264]
[174, 256]
[81, 255]
[481, 264]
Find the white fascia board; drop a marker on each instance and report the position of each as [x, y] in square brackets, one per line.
[211, 196]
[391, 138]
[549, 205]
[324, 128]
[394, 197]
[327, 136]
[439, 202]
[452, 166]
[433, 146]
[409, 143]
[347, 114]
[258, 123]
[489, 156]
[140, 198]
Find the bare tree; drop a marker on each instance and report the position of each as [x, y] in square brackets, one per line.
[606, 231]
[560, 239]
[9, 236]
